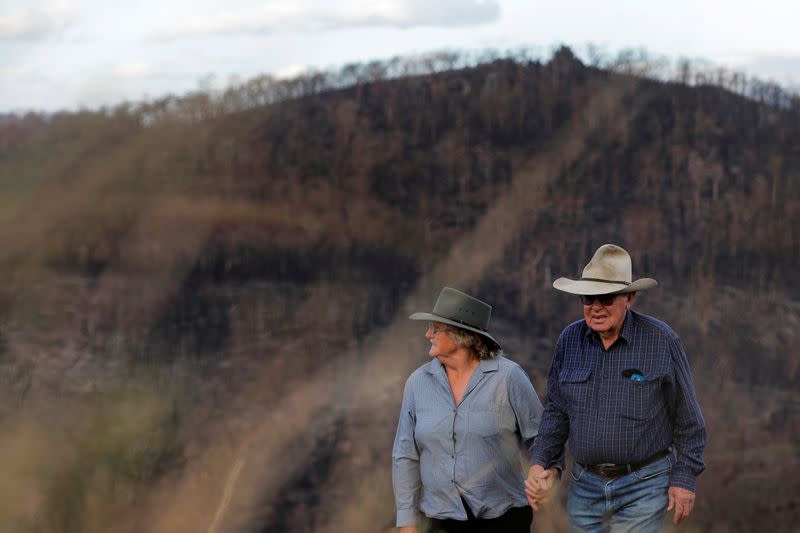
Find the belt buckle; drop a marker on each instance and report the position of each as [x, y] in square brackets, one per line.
[608, 470]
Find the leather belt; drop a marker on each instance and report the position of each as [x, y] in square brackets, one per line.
[613, 471]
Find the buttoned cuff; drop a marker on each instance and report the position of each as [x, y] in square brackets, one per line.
[559, 467]
[406, 517]
[558, 462]
[537, 459]
[683, 478]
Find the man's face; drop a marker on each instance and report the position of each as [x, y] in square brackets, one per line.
[606, 319]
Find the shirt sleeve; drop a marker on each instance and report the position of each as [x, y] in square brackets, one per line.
[689, 428]
[405, 463]
[526, 406]
[548, 450]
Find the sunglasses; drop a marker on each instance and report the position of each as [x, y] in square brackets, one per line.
[604, 299]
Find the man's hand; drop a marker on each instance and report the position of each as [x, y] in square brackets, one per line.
[408, 529]
[682, 500]
[539, 485]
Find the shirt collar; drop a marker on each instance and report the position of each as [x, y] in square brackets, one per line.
[489, 365]
[627, 327]
[486, 365]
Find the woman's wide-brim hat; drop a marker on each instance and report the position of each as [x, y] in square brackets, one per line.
[609, 272]
[461, 310]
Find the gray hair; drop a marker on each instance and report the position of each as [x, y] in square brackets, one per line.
[478, 344]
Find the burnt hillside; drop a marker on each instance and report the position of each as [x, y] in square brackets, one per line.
[205, 302]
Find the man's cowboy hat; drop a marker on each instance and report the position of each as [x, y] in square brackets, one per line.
[461, 310]
[609, 272]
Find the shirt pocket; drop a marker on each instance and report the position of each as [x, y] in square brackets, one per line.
[642, 398]
[574, 385]
[484, 421]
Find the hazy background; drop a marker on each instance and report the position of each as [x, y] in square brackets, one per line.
[203, 316]
[57, 54]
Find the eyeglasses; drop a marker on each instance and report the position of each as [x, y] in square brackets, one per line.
[604, 299]
[436, 329]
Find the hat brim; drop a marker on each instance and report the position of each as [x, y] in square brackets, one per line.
[591, 288]
[437, 318]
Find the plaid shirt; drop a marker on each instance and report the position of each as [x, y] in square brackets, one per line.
[611, 418]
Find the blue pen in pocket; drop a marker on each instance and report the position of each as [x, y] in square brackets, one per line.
[633, 374]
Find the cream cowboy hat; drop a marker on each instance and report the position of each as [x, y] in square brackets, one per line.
[609, 272]
[458, 309]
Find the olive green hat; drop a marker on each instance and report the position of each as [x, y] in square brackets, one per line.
[461, 310]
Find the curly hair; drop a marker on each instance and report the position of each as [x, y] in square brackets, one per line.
[478, 344]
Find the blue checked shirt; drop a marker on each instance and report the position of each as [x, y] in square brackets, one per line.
[443, 452]
[611, 418]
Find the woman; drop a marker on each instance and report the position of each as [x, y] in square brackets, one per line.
[466, 415]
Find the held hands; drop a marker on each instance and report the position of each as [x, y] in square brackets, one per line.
[539, 485]
[682, 500]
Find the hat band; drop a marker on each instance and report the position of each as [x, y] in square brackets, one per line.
[466, 324]
[605, 281]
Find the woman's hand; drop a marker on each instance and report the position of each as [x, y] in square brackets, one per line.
[408, 529]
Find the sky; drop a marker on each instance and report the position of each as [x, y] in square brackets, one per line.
[71, 54]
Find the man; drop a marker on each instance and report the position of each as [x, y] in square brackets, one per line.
[621, 391]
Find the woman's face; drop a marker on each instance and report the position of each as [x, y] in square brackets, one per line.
[441, 343]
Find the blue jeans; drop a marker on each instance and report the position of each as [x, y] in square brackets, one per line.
[634, 502]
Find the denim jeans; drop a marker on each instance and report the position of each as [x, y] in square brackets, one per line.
[634, 502]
